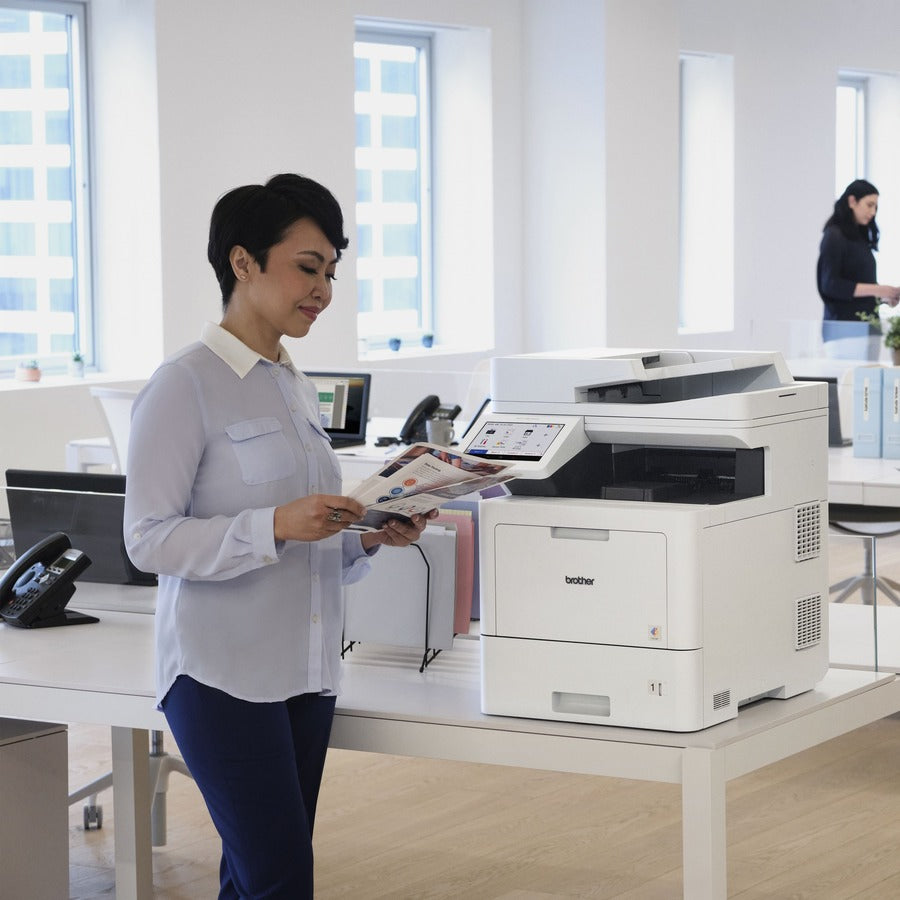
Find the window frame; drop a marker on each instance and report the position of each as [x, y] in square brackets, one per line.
[83, 334]
[373, 338]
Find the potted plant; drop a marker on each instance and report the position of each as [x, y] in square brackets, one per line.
[889, 326]
[892, 338]
[28, 370]
[76, 365]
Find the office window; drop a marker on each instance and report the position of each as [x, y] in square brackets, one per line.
[393, 213]
[706, 278]
[44, 309]
[850, 131]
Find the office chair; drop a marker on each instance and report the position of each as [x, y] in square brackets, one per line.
[116, 407]
[866, 582]
[115, 404]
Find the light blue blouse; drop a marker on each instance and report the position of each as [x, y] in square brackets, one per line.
[219, 437]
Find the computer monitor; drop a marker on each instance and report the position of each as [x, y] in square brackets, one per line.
[88, 507]
[343, 405]
[835, 435]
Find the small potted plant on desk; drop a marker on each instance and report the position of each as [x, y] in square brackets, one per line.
[76, 365]
[28, 370]
[890, 330]
[892, 338]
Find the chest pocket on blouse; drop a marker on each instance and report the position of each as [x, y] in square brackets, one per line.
[262, 450]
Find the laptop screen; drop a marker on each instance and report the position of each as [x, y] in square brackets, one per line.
[89, 507]
[343, 404]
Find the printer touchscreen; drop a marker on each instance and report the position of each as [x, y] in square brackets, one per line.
[522, 441]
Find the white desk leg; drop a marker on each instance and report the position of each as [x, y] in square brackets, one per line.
[131, 813]
[703, 824]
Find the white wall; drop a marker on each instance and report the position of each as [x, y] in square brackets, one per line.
[564, 252]
[884, 139]
[125, 175]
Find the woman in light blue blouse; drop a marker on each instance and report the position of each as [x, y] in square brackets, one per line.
[233, 497]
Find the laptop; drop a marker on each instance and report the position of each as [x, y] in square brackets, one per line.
[89, 507]
[835, 435]
[343, 405]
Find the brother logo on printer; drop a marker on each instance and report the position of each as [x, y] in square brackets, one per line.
[578, 579]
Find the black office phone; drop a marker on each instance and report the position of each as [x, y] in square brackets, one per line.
[35, 590]
[414, 427]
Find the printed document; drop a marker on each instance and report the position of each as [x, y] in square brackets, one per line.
[422, 478]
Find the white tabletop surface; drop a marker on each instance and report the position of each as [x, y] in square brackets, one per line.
[862, 481]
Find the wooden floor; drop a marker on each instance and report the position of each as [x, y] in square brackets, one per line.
[822, 825]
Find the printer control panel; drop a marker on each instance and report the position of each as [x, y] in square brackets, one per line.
[538, 445]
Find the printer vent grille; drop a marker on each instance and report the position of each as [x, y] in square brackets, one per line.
[722, 699]
[808, 621]
[809, 533]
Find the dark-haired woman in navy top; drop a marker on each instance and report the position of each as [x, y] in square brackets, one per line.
[846, 271]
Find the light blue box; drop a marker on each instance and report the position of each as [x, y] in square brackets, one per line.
[890, 413]
[867, 413]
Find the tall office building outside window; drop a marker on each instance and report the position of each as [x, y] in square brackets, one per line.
[391, 104]
[44, 314]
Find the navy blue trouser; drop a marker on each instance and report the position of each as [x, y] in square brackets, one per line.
[258, 767]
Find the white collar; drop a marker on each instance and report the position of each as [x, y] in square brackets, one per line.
[235, 352]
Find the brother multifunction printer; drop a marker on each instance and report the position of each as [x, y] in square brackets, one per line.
[662, 559]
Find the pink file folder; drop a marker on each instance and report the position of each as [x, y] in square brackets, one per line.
[461, 520]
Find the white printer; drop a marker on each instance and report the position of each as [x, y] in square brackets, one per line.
[663, 556]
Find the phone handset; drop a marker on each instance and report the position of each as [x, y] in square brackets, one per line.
[414, 428]
[39, 584]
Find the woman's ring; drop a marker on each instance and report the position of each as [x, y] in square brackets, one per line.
[335, 516]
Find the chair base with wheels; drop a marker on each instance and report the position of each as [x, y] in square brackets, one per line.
[161, 766]
[868, 526]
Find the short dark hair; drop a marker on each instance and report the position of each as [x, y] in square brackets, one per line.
[257, 217]
[843, 217]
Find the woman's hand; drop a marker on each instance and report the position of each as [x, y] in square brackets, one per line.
[315, 517]
[396, 533]
[887, 293]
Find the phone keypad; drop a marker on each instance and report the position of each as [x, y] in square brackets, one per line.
[25, 597]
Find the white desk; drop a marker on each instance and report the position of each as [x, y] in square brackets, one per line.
[103, 674]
